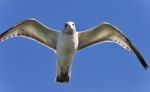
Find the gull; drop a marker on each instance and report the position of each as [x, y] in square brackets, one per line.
[67, 42]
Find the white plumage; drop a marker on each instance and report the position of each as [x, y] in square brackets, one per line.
[68, 41]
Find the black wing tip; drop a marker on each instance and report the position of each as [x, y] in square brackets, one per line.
[141, 59]
[139, 56]
[146, 66]
[2, 36]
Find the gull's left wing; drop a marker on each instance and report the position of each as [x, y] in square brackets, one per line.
[108, 33]
[33, 29]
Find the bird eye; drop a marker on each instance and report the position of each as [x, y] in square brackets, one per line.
[73, 24]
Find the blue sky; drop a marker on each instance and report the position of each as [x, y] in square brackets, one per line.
[27, 66]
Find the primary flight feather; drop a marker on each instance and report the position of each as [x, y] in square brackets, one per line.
[68, 41]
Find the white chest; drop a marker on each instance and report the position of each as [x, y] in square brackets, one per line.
[67, 43]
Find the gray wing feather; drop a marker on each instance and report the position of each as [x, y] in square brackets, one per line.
[106, 32]
[32, 29]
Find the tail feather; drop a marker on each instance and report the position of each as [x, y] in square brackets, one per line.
[63, 78]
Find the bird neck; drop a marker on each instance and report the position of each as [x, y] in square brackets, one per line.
[69, 31]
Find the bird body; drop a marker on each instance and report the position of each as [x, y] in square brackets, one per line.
[67, 45]
[67, 42]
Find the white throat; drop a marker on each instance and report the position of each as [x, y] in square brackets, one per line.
[69, 28]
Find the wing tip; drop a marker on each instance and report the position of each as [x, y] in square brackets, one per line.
[145, 66]
[141, 59]
[139, 56]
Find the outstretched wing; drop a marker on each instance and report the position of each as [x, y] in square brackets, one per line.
[32, 29]
[106, 32]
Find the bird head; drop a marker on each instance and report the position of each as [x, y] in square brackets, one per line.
[69, 27]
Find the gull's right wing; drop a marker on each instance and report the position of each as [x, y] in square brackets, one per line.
[33, 29]
[108, 33]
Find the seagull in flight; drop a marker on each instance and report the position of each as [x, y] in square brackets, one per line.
[67, 42]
